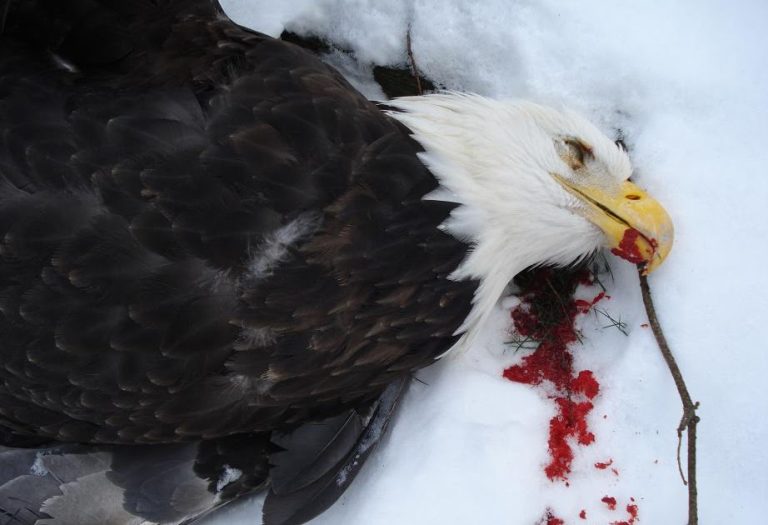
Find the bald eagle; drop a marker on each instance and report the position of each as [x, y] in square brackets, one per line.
[220, 264]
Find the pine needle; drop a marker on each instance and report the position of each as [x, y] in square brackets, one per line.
[614, 323]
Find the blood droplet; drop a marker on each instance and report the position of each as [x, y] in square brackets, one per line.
[610, 501]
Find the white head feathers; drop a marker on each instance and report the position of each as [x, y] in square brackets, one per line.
[497, 159]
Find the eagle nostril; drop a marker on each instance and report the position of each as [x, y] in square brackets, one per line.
[633, 197]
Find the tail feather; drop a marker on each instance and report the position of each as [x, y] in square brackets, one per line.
[89, 500]
[322, 461]
[125, 485]
[27, 483]
[310, 467]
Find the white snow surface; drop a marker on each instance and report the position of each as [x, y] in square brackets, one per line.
[686, 83]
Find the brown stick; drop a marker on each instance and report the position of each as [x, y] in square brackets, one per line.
[690, 418]
[414, 69]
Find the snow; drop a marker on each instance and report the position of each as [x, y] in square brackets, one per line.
[687, 86]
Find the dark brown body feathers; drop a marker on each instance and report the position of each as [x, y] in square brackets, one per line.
[203, 231]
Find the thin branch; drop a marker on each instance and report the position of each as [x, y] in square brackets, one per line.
[690, 418]
[412, 61]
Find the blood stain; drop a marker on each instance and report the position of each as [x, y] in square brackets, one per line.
[610, 501]
[548, 318]
[632, 511]
[550, 519]
[628, 247]
[604, 465]
[550, 321]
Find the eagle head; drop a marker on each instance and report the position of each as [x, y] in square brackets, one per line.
[535, 185]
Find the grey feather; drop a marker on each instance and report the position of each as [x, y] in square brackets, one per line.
[105, 485]
[91, 500]
[301, 495]
[46, 484]
[160, 483]
[312, 450]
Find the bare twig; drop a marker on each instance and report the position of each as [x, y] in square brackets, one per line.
[690, 418]
[414, 69]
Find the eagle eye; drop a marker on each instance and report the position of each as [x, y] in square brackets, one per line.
[574, 153]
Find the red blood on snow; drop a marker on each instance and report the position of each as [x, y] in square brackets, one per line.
[610, 501]
[603, 466]
[570, 422]
[632, 511]
[583, 306]
[549, 320]
[585, 383]
[600, 465]
[552, 519]
[552, 362]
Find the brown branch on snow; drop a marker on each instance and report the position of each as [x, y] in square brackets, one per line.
[412, 61]
[690, 418]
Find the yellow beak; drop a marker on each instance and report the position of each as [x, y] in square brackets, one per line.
[636, 226]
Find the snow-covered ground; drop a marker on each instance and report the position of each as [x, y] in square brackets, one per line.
[687, 84]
